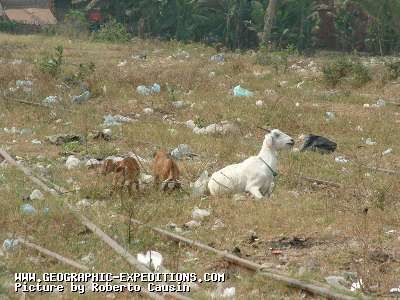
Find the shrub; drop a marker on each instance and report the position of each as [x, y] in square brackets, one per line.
[112, 31]
[392, 70]
[52, 64]
[355, 72]
[278, 59]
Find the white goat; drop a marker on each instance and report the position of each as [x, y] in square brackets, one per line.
[256, 173]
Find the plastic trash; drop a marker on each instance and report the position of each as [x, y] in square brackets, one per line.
[36, 142]
[318, 143]
[220, 57]
[341, 160]
[156, 88]
[199, 188]
[146, 91]
[387, 151]
[329, 115]
[192, 224]
[199, 214]
[356, 285]
[146, 178]
[122, 63]
[148, 110]
[92, 163]
[50, 100]
[183, 150]
[218, 224]
[179, 104]
[36, 195]
[10, 244]
[143, 90]
[238, 91]
[72, 162]
[370, 142]
[259, 103]
[26, 85]
[229, 293]
[85, 96]
[28, 209]
[46, 210]
[152, 259]
[60, 139]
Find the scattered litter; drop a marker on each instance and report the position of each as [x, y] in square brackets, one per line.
[199, 188]
[220, 57]
[366, 105]
[152, 259]
[146, 179]
[148, 110]
[85, 96]
[283, 83]
[223, 127]
[148, 90]
[229, 293]
[92, 163]
[36, 142]
[83, 203]
[380, 103]
[180, 104]
[26, 85]
[88, 259]
[269, 92]
[359, 128]
[218, 225]
[259, 103]
[28, 209]
[387, 151]
[50, 100]
[60, 139]
[174, 227]
[192, 224]
[395, 290]
[182, 151]
[356, 285]
[10, 244]
[238, 91]
[336, 281]
[105, 134]
[392, 231]
[370, 142]
[329, 115]
[72, 162]
[341, 160]
[181, 54]
[300, 85]
[36, 195]
[122, 63]
[116, 120]
[297, 104]
[199, 214]
[46, 210]
[211, 74]
[318, 143]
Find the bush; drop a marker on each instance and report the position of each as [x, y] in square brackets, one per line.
[392, 70]
[52, 64]
[278, 59]
[112, 31]
[355, 72]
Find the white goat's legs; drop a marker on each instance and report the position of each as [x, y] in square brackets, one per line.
[255, 191]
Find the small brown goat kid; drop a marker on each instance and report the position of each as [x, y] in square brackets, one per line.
[166, 170]
[126, 171]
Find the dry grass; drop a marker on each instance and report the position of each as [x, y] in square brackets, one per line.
[341, 234]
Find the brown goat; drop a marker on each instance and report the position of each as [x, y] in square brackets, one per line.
[126, 171]
[165, 169]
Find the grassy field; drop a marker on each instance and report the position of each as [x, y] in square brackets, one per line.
[338, 237]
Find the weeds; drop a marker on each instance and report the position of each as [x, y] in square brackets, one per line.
[112, 31]
[52, 64]
[345, 69]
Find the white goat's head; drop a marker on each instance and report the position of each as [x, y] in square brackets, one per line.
[278, 140]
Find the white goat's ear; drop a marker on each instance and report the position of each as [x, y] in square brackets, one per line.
[268, 130]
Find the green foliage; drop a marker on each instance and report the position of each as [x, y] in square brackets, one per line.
[8, 26]
[72, 147]
[52, 64]
[279, 60]
[75, 25]
[393, 70]
[353, 71]
[112, 31]
[200, 122]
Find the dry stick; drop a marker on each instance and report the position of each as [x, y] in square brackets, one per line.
[314, 288]
[91, 226]
[40, 105]
[387, 171]
[319, 181]
[57, 256]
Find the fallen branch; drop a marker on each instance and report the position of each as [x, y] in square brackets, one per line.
[92, 227]
[387, 171]
[319, 181]
[314, 288]
[52, 254]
